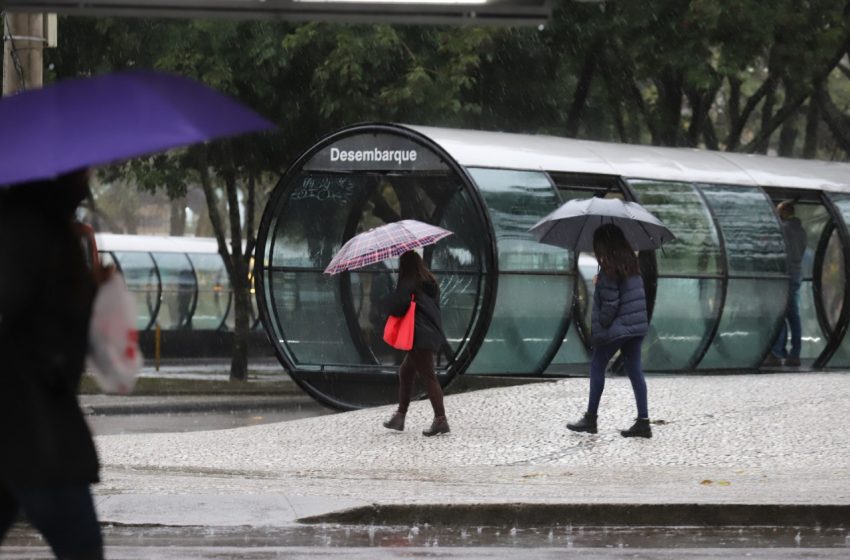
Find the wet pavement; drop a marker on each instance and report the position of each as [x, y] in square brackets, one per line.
[423, 541]
[189, 414]
[187, 485]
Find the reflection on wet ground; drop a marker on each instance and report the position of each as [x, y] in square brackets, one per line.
[162, 422]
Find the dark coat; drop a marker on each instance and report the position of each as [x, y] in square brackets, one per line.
[428, 324]
[46, 295]
[795, 243]
[619, 310]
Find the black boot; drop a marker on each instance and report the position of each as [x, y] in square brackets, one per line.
[396, 422]
[439, 426]
[586, 424]
[639, 429]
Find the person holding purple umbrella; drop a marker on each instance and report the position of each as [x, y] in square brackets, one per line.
[46, 295]
[414, 279]
[619, 322]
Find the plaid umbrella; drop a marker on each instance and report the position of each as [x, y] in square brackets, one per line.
[572, 225]
[384, 242]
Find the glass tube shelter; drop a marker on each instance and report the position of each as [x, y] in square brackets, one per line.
[717, 294]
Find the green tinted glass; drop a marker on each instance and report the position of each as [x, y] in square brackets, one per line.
[833, 282]
[531, 307]
[751, 231]
[751, 315]
[696, 249]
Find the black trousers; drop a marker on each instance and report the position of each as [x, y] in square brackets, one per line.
[65, 515]
[419, 362]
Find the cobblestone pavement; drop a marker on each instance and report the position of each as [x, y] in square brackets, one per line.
[778, 438]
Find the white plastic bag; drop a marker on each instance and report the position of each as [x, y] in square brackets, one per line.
[114, 356]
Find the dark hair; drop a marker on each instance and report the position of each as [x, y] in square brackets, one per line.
[786, 207]
[57, 198]
[412, 267]
[615, 255]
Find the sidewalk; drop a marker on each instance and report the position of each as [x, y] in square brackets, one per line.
[728, 444]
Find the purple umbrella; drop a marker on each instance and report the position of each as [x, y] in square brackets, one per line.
[384, 242]
[76, 124]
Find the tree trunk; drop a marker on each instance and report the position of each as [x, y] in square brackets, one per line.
[810, 147]
[669, 108]
[242, 329]
[838, 122]
[177, 221]
[615, 105]
[733, 140]
[792, 104]
[233, 262]
[239, 280]
[788, 134]
[766, 115]
[582, 90]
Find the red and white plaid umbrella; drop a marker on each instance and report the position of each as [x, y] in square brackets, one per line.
[384, 242]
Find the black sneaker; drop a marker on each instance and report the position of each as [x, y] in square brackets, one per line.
[586, 424]
[639, 429]
[792, 362]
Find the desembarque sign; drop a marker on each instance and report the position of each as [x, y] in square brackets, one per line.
[503, 12]
[375, 152]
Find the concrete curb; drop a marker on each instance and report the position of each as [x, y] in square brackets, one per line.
[603, 514]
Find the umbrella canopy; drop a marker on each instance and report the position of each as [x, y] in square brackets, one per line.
[384, 242]
[572, 225]
[81, 123]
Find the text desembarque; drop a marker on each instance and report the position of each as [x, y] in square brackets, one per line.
[376, 154]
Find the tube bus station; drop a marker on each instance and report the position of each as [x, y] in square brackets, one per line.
[717, 294]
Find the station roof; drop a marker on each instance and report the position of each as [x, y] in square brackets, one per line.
[473, 148]
[501, 12]
[155, 244]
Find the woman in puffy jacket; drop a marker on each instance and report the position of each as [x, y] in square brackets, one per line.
[414, 279]
[619, 322]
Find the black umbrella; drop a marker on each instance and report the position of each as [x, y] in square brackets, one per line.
[572, 225]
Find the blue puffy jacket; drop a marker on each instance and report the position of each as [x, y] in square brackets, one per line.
[619, 310]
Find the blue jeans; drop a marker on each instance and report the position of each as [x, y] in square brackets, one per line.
[630, 348]
[792, 321]
[64, 515]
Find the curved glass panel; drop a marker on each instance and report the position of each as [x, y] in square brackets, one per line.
[747, 327]
[686, 309]
[813, 340]
[534, 294]
[815, 220]
[213, 292]
[834, 272]
[751, 232]
[755, 257]
[140, 275]
[686, 312]
[177, 299]
[308, 303]
[328, 329]
[696, 248]
[832, 280]
[573, 356]
[316, 331]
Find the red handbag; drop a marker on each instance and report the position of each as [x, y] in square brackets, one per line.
[398, 332]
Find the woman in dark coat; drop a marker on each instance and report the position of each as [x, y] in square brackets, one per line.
[46, 294]
[414, 279]
[618, 322]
